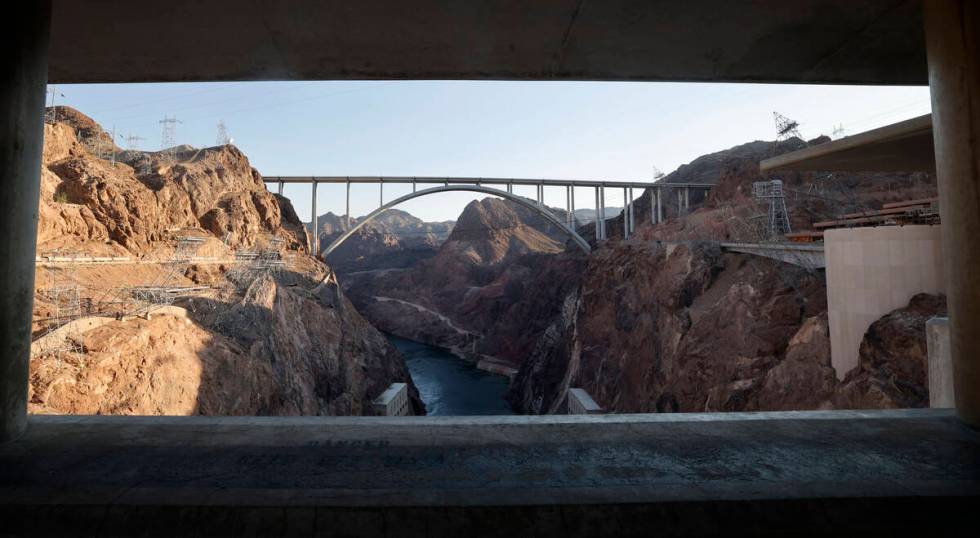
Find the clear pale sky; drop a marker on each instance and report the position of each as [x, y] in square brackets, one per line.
[571, 130]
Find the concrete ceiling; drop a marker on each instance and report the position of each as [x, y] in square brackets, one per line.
[806, 41]
[905, 146]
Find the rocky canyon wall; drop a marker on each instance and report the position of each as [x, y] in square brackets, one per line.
[266, 342]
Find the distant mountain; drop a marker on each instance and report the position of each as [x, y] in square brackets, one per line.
[393, 221]
[394, 239]
[588, 214]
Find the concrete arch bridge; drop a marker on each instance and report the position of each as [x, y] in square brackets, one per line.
[448, 184]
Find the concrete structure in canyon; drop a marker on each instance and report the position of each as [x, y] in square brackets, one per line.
[393, 402]
[872, 271]
[826, 473]
[580, 403]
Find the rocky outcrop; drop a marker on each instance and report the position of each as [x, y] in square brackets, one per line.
[142, 199]
[893, 361]
[167, 365]
[467, 298]
[804, 378]
[326, 359]
[683, 328]
[671, 328]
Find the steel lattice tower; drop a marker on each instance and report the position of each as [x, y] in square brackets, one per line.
[777, 218]
[132, 142]
[223, 139]
[168, 139]
[785, 127]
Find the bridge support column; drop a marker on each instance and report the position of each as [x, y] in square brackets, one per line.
[653, 206]
[510, 187]
[687, 200]
[598, 227]
[626, 214]
[381, 193]
[660, 205]
[540, 194]
[632, 213]
[568, 205]
[347, 211]
[953, 52]
[315, 241]
[281, 185]
[571, 214]
[22, 94]
[602, 210]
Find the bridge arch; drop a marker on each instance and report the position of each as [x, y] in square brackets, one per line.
[540, 209]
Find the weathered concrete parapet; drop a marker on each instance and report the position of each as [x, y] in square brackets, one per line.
[393, 402]
[580, 403]
[940, 365]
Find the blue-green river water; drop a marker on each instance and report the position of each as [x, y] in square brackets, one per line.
[452, 386]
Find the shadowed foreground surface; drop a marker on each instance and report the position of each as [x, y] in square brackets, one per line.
[877, 472]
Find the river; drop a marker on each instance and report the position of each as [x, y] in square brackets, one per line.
[450, 385]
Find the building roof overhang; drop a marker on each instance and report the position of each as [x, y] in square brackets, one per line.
[906, 146]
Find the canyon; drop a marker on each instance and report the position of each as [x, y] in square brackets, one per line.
[240, 338]
[664, 321]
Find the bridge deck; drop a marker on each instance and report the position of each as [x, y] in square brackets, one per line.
[829, 472]
[484, 181]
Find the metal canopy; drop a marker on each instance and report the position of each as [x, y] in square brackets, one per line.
[906, 146]
[806, 41]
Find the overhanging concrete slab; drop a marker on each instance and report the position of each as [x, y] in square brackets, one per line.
[905, 146]
[819, 41]
[587, 475]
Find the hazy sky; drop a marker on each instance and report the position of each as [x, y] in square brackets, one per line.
[573, 130]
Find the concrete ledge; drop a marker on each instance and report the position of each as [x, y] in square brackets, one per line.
[824, 472]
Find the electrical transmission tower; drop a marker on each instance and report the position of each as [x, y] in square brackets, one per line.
[133, 142]
[777, 218]
[838, 131]
[223, 139]
[252, 264]
[657, 174]
[168, 139]
[102, 145]
[785, 129]
[165, 288]
[62, 337]
[51, 116]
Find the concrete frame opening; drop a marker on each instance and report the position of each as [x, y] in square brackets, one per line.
[924, 451]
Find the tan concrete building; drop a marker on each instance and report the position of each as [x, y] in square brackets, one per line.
[872, 271]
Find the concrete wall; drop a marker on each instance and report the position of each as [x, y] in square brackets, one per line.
[940, 363]
[580, 403]
[393, 402]
[872, 271]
